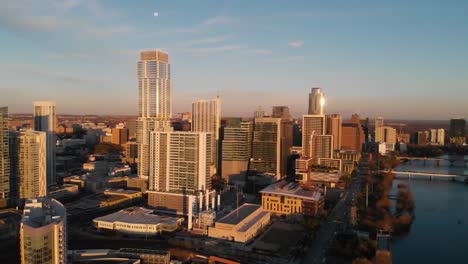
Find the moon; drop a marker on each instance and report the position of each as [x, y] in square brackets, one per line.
[156, 14]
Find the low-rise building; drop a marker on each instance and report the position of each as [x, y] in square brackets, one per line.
[63, 191]
[242, 224]
[138, 221]
[285, 198]
[123, 255]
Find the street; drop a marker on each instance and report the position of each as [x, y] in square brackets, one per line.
[329, 227]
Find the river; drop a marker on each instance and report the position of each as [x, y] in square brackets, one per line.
[439, 233]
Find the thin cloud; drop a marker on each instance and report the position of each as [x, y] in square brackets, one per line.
[81, 56]
[31, 23]
[296, 44]
[212, 40]
[220, 20]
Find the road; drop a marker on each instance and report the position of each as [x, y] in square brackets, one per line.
[336, 219]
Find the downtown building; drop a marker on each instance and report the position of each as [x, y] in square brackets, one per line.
[236, 151]
[334, 127]
[181, 172]
[45, 120]
[206, 117]
[4, 159]
[457, 131]
[43, 234]
[271, 144]
[437, 136]
[28, 159]
[154, 102]
[353, 136]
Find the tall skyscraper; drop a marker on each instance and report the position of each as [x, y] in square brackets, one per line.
[154, 101]
[334, 123]
[457, 127]
[316, 101]
[4, 158]
[386, 134]
[206, 117]
[28, 154]
[43, 232]
[45, 120]
[237, 150]
[272, 140]
[180, 161]
[312, 125]
[353, 136]
[379, 122]
[180, 171]
[321, 147]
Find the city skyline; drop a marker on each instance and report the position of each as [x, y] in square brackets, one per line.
[86, 71]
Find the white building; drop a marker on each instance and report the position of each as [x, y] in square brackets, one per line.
[138, 221]
[154, 102]
[29, 164]
[437, 136]
[45, 119]
[43, 234]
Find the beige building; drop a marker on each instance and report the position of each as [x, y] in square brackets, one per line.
[386, 134]
[312, 125]
[241, 225]
[138, 221]
[334, 123]
[272, 141]
[285, 198]
[28, 164]
[237, 150]
[4, 158]
[316, 101]
[45, 120]
[154, 102]
[119, 136]
[43, 234]
[206, 117]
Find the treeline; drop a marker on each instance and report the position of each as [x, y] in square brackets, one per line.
[431, 151]
[379, 214]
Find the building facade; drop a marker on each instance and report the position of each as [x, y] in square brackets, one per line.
[45, 120]
[28, 157]
[334, 123]
[154, 102]
[237, 150]
[312, 125]
[272, 140]
[386, 134]
[43, 232]
[285, 198]
[316, 101]
[4, 158]
[206, 117]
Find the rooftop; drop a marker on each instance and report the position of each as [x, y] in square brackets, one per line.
[137, 215]
[292, 189]
[236, 216]
[42, 211]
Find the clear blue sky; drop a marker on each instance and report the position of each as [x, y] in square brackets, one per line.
[399, 58]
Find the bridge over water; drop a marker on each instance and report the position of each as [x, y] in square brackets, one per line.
[451, 160]
[424, 174]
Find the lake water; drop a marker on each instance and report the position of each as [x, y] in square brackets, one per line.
[439, 233]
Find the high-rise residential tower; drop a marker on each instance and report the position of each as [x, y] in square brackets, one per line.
[281, 112]
[457, 127]
[45, 120]
[180, 171]
[312, 125]
[379, 122]
[334, 123]
[4, 158]
[28, 152]
[237, 150]
[43, 232]
[386, 134]
[206, 117]
[154, 102]
[316, 101]
[272, 140]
